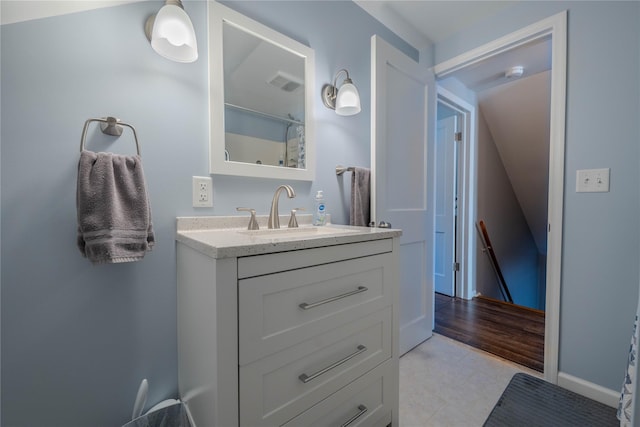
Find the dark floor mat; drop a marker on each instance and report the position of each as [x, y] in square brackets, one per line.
[532, 402]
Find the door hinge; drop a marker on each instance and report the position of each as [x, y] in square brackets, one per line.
[456, 266]
[458, 136]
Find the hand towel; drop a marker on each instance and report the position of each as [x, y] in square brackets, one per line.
[360, 199]
[114, 216]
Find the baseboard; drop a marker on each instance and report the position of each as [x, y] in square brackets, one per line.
[588, 389]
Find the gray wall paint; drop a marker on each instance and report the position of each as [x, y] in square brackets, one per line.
[510, 235]
[600, 240]
[77, 339]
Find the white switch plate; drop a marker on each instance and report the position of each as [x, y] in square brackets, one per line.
[592, 180]
[202, 192]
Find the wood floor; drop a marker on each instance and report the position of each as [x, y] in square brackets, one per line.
[512, 332]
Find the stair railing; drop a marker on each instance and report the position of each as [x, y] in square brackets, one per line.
[488, 249]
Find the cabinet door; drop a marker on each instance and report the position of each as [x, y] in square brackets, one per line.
[279, 310]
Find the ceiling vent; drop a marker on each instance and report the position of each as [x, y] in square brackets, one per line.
[285, 82]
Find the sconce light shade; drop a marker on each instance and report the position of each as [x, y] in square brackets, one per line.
[346, 100]
[171, 33]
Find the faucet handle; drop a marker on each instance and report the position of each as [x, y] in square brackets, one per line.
[293, 221]
[253, 223]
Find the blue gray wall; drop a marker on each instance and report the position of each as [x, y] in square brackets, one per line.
[600, 241]
[77, 339]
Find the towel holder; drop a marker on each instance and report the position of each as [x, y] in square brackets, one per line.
[341, 169]
[108, 126]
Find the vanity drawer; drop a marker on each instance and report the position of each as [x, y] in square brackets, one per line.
[259, 265]
[277, 388]
[279, 310]
[368, 401]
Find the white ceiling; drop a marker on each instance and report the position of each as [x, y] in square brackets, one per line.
[534, 57]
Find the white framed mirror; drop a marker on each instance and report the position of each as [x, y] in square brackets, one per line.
[260, 100]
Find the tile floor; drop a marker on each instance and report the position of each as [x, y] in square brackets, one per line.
[444, 383]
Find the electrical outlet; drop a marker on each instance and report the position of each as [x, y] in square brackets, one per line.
[202, 192]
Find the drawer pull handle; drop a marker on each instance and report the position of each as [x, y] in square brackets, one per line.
[350, 421]
[306, 306]
[306, 378]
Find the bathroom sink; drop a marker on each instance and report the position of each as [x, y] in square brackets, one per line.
[297, 233]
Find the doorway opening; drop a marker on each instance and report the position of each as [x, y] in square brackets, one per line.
[480, 321]
[512, 147]
[449, 147]
[550, 36]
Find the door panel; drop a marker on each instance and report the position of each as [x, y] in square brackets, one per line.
[401, 105]
[445, 165]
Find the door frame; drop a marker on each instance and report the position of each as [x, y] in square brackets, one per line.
[467, 198]
[556, 28]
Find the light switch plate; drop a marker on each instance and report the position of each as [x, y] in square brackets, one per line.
[592, 180]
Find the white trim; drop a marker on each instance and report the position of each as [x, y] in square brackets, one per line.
[556, 194]
[588, 389]
[467, 192]
[556, 28]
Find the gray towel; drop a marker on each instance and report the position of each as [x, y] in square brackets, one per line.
[360, 200]
[114, 216]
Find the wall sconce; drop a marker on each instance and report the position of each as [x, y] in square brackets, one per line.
[346, 100]
[171, 33]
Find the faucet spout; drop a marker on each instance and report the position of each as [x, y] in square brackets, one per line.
[274, 215]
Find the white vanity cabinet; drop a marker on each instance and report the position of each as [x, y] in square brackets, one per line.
[289, 333]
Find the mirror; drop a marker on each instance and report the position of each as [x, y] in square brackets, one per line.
[261, 104]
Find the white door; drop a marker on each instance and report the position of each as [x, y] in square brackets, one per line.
[445, 165]
[401, 107]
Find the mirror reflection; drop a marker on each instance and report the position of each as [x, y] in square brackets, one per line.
[264, 101]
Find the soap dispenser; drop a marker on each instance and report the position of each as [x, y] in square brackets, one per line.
[319, 212]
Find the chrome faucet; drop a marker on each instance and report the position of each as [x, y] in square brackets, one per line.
[274, 216]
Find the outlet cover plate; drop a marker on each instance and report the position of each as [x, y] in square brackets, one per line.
[202, 192]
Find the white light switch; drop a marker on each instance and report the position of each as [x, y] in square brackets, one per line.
[592, 180]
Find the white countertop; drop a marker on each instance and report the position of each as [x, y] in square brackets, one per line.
[228, 237]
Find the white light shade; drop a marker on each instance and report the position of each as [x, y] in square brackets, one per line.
[173, 36]
[347, 100]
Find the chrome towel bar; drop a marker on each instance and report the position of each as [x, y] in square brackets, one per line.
[342, 169]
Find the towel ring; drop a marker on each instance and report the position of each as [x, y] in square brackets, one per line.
[109, 126]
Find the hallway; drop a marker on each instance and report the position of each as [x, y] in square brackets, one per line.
[512, 332]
